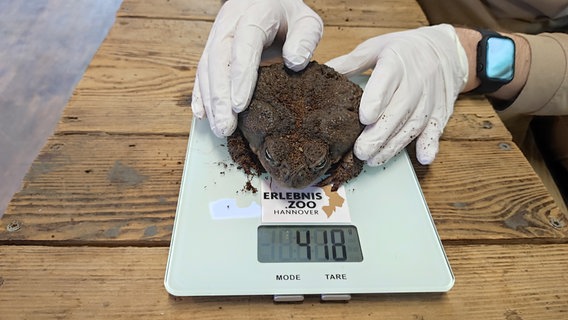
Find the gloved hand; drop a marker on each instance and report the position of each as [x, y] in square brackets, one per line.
[417, 77]
[227, 72]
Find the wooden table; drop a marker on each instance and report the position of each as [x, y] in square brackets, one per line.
[88, 234]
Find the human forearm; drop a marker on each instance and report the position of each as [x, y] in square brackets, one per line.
[469, 39]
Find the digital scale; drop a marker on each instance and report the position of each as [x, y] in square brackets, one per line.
[240, 235]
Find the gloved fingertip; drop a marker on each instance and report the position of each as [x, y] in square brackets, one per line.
[376, 160]
[297, 55]
[239, 107]
[197, 107]
[428, 143]
[304, 34]
[425, 159]
[362, 150]
[296, 62]
[372, 163]
[225, 128]
[426, 151]
[242, 88]
[215, 130]
[240, 101]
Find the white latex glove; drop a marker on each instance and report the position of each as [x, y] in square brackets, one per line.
[227, 72]
[417, 77]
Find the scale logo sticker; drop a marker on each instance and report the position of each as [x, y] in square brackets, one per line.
[312, 204]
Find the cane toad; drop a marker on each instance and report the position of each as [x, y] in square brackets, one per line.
[300, 127]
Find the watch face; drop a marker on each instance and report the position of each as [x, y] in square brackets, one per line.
[500, 57]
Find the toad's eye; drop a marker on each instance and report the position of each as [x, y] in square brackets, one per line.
[321, 164]
[269, 157]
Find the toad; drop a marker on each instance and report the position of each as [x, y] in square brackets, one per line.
[300, 127]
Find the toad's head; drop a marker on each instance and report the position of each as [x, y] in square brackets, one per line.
[292, 161]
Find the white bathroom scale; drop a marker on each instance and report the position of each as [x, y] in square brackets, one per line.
[235, 234]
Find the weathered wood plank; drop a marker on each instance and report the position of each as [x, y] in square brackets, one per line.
[141, 81]
[117, 188]
[397, 13]
[475, 119]
[492, 282]
[390, 13]
[205, 10]
[98, 187]
[507, 202]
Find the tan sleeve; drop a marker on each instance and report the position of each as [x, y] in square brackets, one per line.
[546, 90]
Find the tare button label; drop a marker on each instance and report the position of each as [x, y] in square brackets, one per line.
[336, 276]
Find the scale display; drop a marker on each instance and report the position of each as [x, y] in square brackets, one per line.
[312, 243]
[222, 244]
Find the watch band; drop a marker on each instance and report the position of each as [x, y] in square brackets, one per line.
[487, 85]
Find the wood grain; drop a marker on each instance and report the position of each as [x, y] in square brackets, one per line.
[401, 13]
[85, 187]
[124, 188]
[493, 282]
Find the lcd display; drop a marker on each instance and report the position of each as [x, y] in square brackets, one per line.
[315, 243]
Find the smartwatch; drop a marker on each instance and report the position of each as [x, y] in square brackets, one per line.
[495, 61]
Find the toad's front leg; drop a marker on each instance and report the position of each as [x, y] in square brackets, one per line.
[242, 154]
[348, 167]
